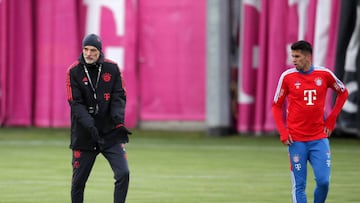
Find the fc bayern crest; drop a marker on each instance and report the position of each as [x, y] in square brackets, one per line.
[296, 158]
[318, 81]
[106, 77]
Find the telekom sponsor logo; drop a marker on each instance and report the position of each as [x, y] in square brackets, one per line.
[107, 96]
[115, 52]
[310, 96]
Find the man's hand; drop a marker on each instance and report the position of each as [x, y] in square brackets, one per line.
[123, 133]
[95, 135]
[123, 130]
[289, 141]
[327, 131]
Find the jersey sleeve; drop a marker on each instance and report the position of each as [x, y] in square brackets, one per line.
[342, 95]
[277, 105]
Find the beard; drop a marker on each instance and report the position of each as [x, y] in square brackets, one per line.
[90, 60]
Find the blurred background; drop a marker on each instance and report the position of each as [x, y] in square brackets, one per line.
[209, 65]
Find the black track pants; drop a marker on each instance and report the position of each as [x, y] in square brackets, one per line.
[83, 161]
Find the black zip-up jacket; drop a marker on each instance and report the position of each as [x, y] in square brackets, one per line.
[105, 112]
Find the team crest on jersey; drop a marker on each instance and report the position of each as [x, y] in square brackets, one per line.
[106, 77]
[318, 81]
[296, 158]
[297, 84]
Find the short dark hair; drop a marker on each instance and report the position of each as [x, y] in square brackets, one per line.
[302, 45]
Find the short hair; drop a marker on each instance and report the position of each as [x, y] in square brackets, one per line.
[302, 45]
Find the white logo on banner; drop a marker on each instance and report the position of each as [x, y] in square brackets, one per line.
[93, 19]
[301, 9]
[254, 3]
[302, 15]
[243, 97]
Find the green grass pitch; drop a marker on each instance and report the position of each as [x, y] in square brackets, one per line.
[169, 167]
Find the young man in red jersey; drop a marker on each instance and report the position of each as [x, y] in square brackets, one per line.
[307, 127]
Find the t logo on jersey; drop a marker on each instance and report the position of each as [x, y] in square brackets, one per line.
[310, 96]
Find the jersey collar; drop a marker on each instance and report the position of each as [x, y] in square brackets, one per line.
[307, 72]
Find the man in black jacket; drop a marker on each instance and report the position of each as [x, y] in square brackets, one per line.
[97, 98]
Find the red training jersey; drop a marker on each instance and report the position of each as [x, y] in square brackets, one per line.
[306, 96]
